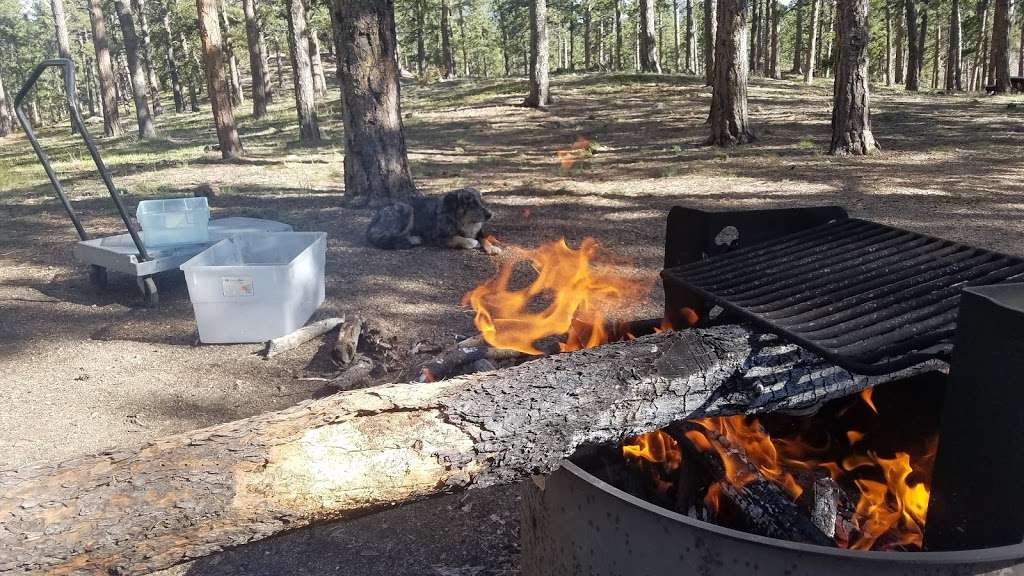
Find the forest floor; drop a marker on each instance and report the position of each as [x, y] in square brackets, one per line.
[85, 371]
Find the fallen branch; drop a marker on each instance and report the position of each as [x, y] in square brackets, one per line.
[185, 496]
[301, 336]
[449, 363]
[357, 373]
[764, 507]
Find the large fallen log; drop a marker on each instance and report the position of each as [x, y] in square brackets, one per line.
[189, 495]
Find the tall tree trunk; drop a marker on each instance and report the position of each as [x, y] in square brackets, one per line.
[691, 40]
[812, 44]
[462, 41]
[60, 25]
[261, 46]
[539, 96]
[302, 73]
[213, 58]
[851, 101]
[145, 49]
[648, 42]
[755, 22]
[729, 122]
[773, 63]
[1001, 46]
[316, 62]
[888, 43]
[937, 39]
[901, 39]
[136, 73]
[108, 85]
[5, 112]
[587, 37]
[235, 76]
[448, 63]
[710, 31]
[257, 59]
[90, 80]
[677, 59]
[798, 42]
[819, 63]
[197, 67]
[618, 35]
[913, 47]
[978, 64]
[954, 55]
[419, 32]
[376, 161]
[922, 40]
[172, 65]
[1020, 49]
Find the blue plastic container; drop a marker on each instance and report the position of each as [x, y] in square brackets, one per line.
[174, 221]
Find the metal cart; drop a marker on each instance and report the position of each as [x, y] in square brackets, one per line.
[125, 253]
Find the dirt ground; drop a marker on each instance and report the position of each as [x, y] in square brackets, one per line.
[85, 371]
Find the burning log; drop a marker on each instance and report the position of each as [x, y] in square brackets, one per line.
[764, 507]
[301, 336]
[192, 494]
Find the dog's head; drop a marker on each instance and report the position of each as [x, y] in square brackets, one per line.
[467, 206]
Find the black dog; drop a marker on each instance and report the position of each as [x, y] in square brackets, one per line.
[455, 220]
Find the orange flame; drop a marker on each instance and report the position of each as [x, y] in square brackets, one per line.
[888, 515]
[865, 395]
[568, 298]
[660, 450]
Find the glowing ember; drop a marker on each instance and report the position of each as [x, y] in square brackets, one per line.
[568, 299]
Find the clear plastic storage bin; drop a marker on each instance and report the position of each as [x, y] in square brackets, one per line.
[174, 221]
[256, 287]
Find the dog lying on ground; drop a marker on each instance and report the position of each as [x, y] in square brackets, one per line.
[455, 220]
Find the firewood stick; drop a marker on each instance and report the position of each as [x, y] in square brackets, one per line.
[765, 507]
[182, 497]
[345, 348]
[356, 373]
[302, 335]
[826, 506]
[444, 365]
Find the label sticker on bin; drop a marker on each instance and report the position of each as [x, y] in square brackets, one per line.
[233, 287]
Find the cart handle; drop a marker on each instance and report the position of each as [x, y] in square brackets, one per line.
[76, 122]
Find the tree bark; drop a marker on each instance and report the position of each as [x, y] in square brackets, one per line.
[302, 73]
[316, 62]
[448, 63]
[954, 55]
[710, 31]
[376, 160]
[913, 47]
[136, 73]
[980, 52]
[5, 112]
[937, 40]
[691, 40]
[819, 63]
[193, 98]
[234, 74]
[773, 52]
[588, 56]
[172, 65]
[922, 40]
[189, 495]
[261, 44]
[145, 49]
[729, 122]
[108, 89]
[851, 102]
[1001, 46]
[257, 59]
[648, 42]
[539, 95]
[213, 57]
[755, 35]
[901, 48]
[1020, 49]
[798, 43]
[618, 35]
[812, 44]
[888, 43]
[60, 26]
[677, 59]
[465, 46]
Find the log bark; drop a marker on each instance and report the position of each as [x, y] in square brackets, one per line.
[301, 336]
[193, 494]
[851, 101]
[344, 351]
[220, 101]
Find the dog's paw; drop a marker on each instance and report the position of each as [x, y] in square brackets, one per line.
[415, 240]
[490, 248]
[470, 243]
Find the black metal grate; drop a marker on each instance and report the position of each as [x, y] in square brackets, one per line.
[869, 297]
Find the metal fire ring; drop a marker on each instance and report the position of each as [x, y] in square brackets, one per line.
[573, 523]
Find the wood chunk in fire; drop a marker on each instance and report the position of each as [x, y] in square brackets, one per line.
[764, 508]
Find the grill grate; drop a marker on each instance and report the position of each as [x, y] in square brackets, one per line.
[869, 297]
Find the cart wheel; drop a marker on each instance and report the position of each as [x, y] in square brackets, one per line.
[148, 288]
[98, 277]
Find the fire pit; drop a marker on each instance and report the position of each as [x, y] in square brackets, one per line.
[801, 274]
